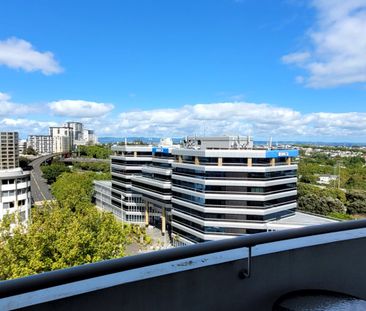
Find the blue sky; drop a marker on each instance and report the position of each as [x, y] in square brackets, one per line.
[294, 70]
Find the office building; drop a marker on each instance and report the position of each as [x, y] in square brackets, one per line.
[209, 188]
[126, 162]
[62, 139]
[154, 184]
[9, 150]
[42, 144]
[222, 187]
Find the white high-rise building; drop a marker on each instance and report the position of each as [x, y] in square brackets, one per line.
[42, 144]
[22, 146]
[15, 191]
[89, 137]
[62, 139]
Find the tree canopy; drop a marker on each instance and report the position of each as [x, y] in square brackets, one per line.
[98, 152]
[52, 171]
[71, 231]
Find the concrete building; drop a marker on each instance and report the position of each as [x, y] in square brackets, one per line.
[154, 184]
[77, 130]
[42, 144]
[126, 162]
[15, 193]
[9, 150]
[223, 188]
[22, 146]
[89, 137]
[62, 139]
[103, 196]
[209, 189]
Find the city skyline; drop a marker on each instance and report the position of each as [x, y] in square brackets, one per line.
[184, 68]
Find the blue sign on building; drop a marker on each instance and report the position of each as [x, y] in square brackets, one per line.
[282, 153]
[160, 149]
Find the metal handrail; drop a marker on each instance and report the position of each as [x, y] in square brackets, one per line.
[87, 271]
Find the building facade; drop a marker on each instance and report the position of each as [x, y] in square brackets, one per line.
[9, 150]
[209, 188]
[22, 146]
[42, 144]
[15, 193]
[62, 139]
[223, 188]
[126, 162]
[154, 184]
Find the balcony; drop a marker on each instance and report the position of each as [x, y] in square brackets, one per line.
[250, 272]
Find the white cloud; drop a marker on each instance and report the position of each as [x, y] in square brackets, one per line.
[25, 126]
[337, 45]
[79, 108]
[20, 54]
[259, 120]
[9, 108]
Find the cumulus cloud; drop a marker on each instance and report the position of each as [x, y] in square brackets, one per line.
[20, 54]
[25, 126]
[259, 120]
[7, 107]
[337, 45]
[79, 108]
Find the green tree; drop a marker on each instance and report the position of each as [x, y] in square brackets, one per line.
[68, 232]
[97, 152]
[30, 151]
[52, 171]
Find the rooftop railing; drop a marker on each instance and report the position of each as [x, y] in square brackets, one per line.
[65, 276]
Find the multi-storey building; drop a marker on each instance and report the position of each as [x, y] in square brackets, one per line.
[42, 144]
[127, 161]
[154, 184]
[77, 130]
[15, 193]
[224, 188]
[102, 197]
[209, 189]
[9, 150]
[62, 139]
[89, 137]
[22, 146]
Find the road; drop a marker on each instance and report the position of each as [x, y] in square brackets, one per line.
[40, 188]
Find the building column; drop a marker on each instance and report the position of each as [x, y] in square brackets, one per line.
[288, 161]
[180, 160]
[250, 162]
[219, 161]
[146, 213]
[163, 221]
[273, 162]
[135, 154]
[196, 161]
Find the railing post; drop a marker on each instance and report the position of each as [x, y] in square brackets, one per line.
[245, 273]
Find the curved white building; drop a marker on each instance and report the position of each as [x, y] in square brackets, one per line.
[15, 193]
